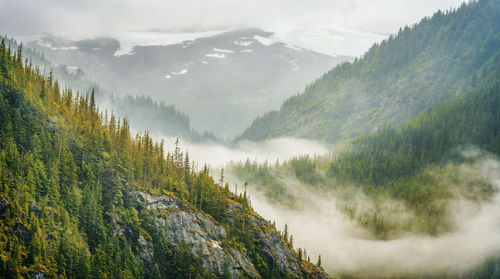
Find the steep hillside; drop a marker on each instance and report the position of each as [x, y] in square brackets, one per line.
[80, 198]
[409, 177]
[142, 112]
[420, 67]
[243, 73]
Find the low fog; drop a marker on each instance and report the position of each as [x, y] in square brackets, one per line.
[218, 155]
[348, 248]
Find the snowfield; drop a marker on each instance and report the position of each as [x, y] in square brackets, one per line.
[215, 55]
[223, 50]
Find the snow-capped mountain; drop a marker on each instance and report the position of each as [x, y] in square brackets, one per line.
[240, 73]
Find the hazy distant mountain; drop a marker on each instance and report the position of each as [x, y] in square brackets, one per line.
[222, 82]
[142, 113]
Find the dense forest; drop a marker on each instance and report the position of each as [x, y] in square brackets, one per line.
[143, 113]
[423, 148]
[420, 163]
[420, 67]
[81, 198]
[393, 159]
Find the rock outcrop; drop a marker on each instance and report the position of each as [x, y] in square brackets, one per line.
[178, 222]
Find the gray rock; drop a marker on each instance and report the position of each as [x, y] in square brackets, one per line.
[200, 232]
[147, 249]
[176, 221]
[38, 275]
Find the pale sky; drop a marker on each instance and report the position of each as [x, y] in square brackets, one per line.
[90, 18]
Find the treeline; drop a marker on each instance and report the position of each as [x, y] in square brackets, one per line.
[67, 170]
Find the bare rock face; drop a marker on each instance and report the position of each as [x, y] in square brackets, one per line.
[200, 232]
[272, 245]
[178, 222]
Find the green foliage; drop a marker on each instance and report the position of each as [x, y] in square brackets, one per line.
[422, 66]
[413, 163]
[68, 177]
[393, 153]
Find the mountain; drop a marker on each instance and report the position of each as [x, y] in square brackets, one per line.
[410, 179]
[81, 198]
[242, 73]
[420, 67]
[142, 112]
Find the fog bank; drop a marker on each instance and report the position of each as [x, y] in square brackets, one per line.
[348, 248]
[218, 155]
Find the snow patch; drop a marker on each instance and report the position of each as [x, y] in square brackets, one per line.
[181, 72]
[263, 40]
[243, 43]
[96, 48]
[223, 50]
[168, 76]
[69, 48]
[247, 50]
[129, 40]
[124, 51]
[49, 45]
[204, 62]
[215, 55]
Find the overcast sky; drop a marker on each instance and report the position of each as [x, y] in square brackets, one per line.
[88, 18]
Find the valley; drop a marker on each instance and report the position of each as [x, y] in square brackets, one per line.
[245, 152]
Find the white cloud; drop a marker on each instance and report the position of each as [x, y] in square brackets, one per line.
[111, 17]
[217, 155]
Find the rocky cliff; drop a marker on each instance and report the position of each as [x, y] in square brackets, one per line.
[177, 222]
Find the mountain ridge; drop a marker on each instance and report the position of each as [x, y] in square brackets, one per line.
[410, 72]
[81, 198]
[199, 74]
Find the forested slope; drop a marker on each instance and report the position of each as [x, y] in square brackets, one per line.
[81, 198]
[439, 58]
[143, 113]
[426, 163]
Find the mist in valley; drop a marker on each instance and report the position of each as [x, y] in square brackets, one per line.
[197, 78]
[318, 224]
[217, 155]
[348, 248]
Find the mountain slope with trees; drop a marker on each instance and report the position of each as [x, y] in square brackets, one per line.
[426, 163]
[437, 59]
[243, 73]
[143, 113]
[81, 198]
